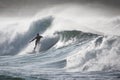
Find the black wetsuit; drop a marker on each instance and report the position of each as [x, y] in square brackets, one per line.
[37, 39]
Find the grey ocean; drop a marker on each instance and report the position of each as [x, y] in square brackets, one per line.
[66, 54]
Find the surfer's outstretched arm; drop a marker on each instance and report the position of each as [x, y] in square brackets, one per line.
[32, 39]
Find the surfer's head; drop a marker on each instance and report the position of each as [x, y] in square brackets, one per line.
[37, 34]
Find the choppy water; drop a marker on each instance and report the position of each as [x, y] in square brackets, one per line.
[63, 55]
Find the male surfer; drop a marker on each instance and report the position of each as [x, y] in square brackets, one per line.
[38, 37]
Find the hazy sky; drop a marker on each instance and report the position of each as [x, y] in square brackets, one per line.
[26, 8]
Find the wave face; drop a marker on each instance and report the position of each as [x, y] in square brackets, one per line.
[59, 54]
[74, 34]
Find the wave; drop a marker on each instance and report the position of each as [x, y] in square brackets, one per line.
[40, 26]
[68, 37]
[64, 37]
[66, 49]
[48, 42]
[21, 40]
[74, 34]
[103, 57]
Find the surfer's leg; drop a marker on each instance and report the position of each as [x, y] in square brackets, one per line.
[35, 45]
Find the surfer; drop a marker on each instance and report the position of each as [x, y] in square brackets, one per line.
[37, 38]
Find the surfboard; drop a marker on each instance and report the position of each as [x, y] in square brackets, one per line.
[32, 52]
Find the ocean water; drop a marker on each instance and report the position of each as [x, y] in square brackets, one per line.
[62, 54]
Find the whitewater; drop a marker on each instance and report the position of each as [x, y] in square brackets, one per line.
[67, 51]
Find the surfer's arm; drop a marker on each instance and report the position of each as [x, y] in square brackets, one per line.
[41, 36]
[32, 39]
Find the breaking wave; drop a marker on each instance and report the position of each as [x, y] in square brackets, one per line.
[65, 50]
[21, 40]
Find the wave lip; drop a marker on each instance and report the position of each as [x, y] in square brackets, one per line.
[67, 35]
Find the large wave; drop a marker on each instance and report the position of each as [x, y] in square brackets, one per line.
[66, 49]
[65, 38]
[104, 57]
[21, 40]
[75, 45]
